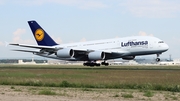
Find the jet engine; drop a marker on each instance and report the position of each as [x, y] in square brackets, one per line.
[65, 53]
[128, 57]
[97, 55]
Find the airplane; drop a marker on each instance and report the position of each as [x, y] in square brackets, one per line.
[90, 52]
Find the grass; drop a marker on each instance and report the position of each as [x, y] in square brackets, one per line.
[18, 90]
[46, 92]
[162, 78]
[12, 87]
[174, 98]
[116, 95]
[126, 95]
[86, 89]
[148, 94]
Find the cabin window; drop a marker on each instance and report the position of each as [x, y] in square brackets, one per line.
[161, 42]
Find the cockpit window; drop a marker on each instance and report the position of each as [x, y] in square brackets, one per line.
[161, 42]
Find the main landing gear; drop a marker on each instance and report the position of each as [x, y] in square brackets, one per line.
[105, 63]
[93, 63]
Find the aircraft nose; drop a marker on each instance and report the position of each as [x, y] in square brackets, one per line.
[166, 47]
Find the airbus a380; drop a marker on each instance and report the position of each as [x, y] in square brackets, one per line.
[92, 51]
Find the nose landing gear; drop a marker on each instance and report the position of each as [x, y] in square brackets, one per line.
[158, 59]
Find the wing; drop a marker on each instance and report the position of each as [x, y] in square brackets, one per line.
[46, 48]
[31, 51]
[36, 46]
[79, 54]
[42, 48]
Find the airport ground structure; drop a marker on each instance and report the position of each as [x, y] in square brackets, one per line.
[123, 62]
[112, 62]
[165, 78]
[120, 74]
[114, 82]
[23, 61]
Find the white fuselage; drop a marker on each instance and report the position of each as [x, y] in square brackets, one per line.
[127, 46]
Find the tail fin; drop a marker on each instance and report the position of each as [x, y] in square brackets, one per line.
[42, 38]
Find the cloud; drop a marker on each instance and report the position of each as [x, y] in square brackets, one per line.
[1, 2]
[1, 43]
[82, 4]
[65, 2]
[83, 40]
[152, 8]
[141, 33]
[58, 40]
[92, 4]
[19, 32]
[17, 37]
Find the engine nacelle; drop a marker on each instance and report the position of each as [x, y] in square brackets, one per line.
[65, 53]
[97, 55]
[128, 57]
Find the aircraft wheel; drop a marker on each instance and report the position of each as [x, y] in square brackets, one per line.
[84, 64]
[106, 64]
[103, 63]
[158, 59]
[98, 64]
[92, 64]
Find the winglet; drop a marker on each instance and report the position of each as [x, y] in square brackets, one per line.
[6, 44]
[42, 38]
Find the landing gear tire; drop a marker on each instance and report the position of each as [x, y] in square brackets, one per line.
[97, 64]
[158, 59]
[91, 64]
[104, 63]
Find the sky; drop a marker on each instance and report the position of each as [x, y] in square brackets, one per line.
[69, 21]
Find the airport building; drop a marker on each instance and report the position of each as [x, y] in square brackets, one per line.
[174, 62]
[21, 62]
[111, 62]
